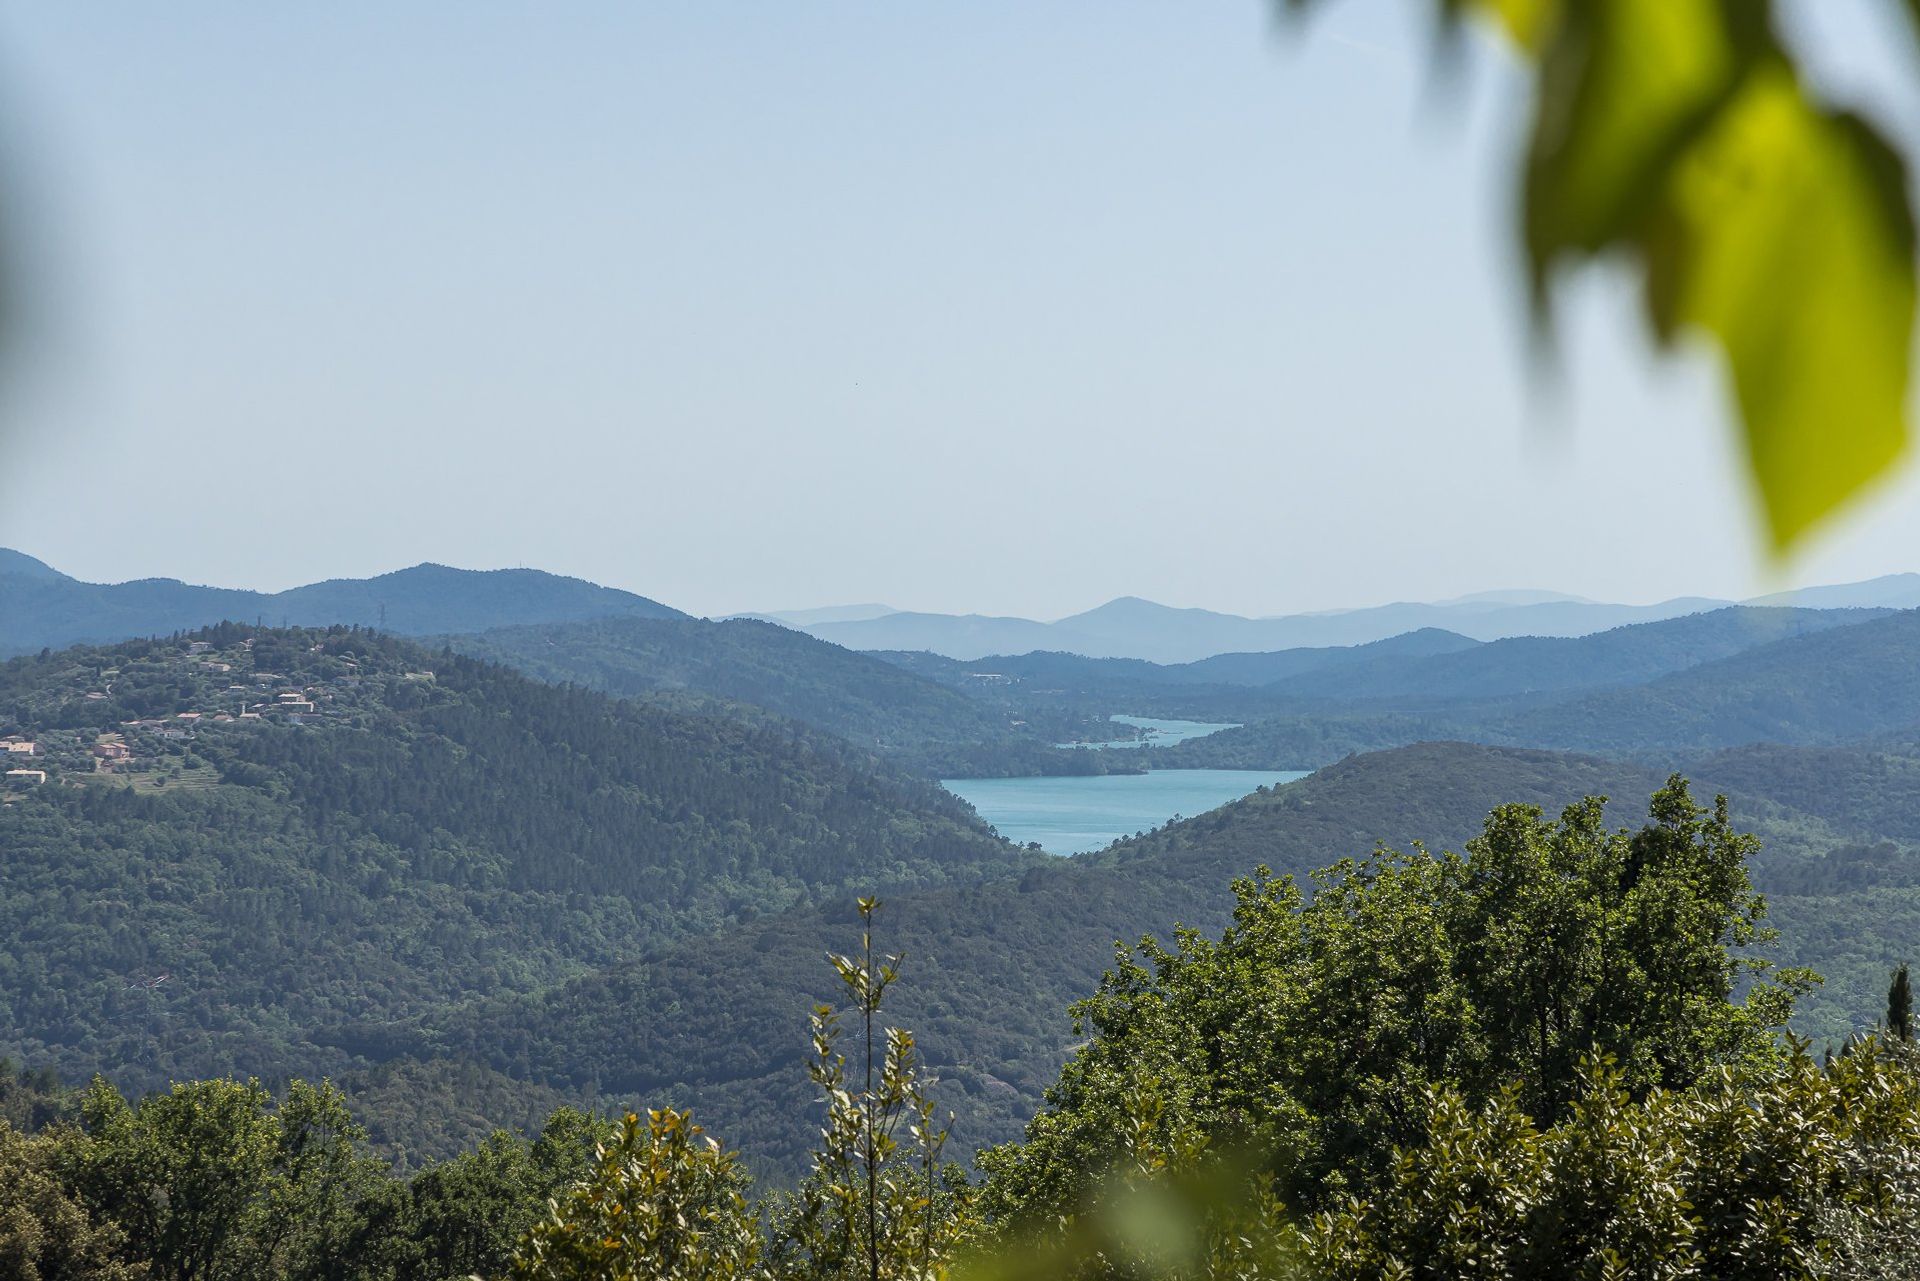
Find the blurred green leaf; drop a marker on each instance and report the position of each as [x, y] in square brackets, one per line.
[1788, 238]
[1676, 132]
[1623, 88]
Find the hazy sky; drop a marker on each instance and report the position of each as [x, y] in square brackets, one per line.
[986, 306]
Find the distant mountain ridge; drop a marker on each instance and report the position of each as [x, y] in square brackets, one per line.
[825, 614]
[43, 608]
[1130, 627]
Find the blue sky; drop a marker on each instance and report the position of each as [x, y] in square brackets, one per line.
[986, 306]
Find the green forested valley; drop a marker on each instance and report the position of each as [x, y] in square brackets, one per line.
[1578, 1020]
[456, 907]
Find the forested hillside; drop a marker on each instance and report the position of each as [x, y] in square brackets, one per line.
[1826, 685]
[1838, 686]
[1318, 704]
[1280, 1098]
[990, 967]
[917, 723]
[1277, 665]
[247, 839]
[1628, 655]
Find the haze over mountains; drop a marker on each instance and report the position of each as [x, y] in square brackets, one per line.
[1133, 628]
[40, 606]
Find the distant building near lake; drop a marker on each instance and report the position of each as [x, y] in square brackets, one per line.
[26, 777]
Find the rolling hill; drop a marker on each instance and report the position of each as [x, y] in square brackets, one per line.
[310, 828]
[41, 608]
[443, 881]
[1306, 707]
[915, 722]
[990, 968]
[336, 852]
[1838, 686]
[1107, 678]
[1825, 685]
[1524, 665]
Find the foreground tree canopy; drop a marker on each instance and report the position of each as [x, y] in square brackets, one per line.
[1554, 1053]
[1313, 1029]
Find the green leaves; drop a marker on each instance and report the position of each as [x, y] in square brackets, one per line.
[1317, 1032]
[872, 1206]
[1788, 238]
[1791, 1172]
[210, 1181]
[1676, 132]
[663, 1203]
[1623, 88]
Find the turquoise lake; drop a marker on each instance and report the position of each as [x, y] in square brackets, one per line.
[1076, 815]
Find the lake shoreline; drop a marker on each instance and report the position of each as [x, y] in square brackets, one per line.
[1070, 814]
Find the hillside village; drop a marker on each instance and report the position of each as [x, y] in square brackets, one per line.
[136, 723]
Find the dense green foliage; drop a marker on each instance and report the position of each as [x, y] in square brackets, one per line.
[46, 1233]
[31, 1098]
[660, 1203]
[1798, 1171]
[1307, 1029]
[220, 1180]
[715, 1021]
